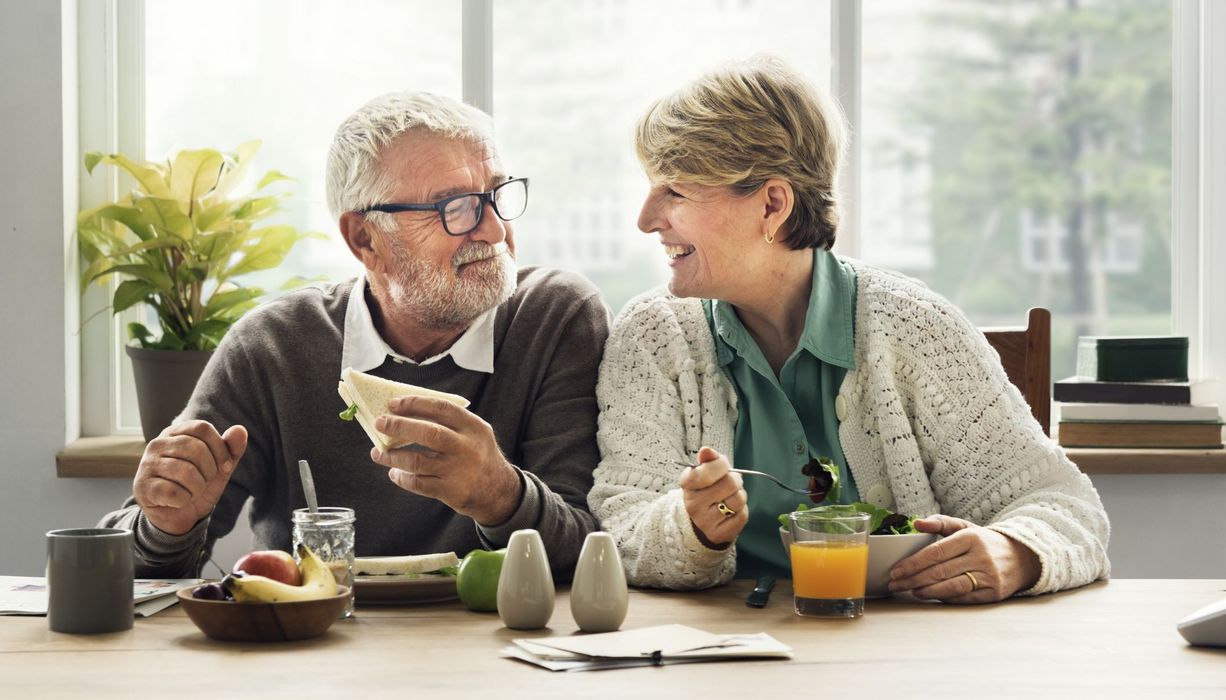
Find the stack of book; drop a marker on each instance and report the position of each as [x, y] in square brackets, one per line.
[1134, 392]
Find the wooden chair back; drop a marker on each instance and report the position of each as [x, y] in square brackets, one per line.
[1025, 354]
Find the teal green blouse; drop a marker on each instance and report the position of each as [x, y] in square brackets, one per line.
[783, 421]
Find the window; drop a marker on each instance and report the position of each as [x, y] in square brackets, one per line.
[290, 88]
[1019, 154]
[215, 76]
[1008, 154]
[570, 81]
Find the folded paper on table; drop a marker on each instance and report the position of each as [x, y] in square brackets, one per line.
[23, 595]
[27, 595]
[147, 607]
[665, 644]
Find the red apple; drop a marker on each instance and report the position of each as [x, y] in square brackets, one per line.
[274, 564]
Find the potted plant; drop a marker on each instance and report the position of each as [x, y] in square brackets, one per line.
[179, 240]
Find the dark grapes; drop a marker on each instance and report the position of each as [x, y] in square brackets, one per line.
[209, 591]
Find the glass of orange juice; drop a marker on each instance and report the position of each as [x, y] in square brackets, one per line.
[829, 553]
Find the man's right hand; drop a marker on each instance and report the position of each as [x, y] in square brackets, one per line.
[184, 471]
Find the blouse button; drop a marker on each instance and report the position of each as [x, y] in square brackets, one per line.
[798, 447]
[840, 408]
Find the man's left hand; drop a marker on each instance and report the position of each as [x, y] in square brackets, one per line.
[462, 464]
[999, 566]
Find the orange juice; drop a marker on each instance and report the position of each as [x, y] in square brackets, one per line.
[829, 570]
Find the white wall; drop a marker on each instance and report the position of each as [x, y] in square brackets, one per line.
[1166, 526]
[1162, 526]
[33, 415]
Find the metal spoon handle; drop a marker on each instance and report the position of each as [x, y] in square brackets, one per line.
[308, 485]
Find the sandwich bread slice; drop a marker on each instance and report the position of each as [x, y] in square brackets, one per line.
[367, 397]
[411, 565]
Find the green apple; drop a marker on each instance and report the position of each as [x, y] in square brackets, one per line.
[477, 580]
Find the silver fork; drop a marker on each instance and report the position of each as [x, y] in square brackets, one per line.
[752, 472]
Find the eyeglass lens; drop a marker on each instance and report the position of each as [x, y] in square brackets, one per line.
[463, 214]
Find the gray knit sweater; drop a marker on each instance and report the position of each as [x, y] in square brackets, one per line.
[276, 374]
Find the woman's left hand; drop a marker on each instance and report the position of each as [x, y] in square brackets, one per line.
[999, 566]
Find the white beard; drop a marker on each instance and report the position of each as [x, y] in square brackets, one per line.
[448, 298]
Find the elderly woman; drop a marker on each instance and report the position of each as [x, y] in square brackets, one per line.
[767, 350]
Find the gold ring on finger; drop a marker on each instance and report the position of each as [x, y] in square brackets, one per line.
[974, 582]
[724, 509]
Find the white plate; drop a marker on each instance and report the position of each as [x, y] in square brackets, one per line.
[423, 588]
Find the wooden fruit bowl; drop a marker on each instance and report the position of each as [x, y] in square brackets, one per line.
[229, 621]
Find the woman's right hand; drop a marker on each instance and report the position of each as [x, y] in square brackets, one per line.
[704, 489]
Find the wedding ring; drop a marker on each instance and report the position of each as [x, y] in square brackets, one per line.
[723, 508]
[974, 583]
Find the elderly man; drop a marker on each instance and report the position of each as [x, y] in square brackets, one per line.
[423, 201]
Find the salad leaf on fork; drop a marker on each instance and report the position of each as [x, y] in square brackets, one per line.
[824, 481]
[823, 476]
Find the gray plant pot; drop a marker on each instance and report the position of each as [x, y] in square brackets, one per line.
[164, 382]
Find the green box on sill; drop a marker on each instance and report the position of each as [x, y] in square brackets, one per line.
[1133, 358]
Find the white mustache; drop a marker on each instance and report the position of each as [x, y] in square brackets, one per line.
[478, 252]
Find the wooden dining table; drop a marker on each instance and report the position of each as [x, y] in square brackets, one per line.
[1108, 639]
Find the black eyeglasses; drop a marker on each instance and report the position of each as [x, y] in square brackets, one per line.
[461, 213]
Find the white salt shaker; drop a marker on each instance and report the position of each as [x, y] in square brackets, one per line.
[598, 595]
[525, 586]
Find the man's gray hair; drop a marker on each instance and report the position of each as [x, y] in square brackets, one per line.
[355, 179]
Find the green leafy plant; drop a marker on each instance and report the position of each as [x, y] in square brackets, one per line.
[181, 238]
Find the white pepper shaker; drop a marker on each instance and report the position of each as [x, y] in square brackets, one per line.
[598, 595]
[525, 586]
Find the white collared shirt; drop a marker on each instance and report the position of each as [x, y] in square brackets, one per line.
[364, 349]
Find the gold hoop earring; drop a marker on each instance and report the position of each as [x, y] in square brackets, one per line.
[770, 238]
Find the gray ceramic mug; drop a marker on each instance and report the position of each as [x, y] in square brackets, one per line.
[89, 580]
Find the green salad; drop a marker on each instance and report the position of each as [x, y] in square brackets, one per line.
[825, 485]
[881, 520]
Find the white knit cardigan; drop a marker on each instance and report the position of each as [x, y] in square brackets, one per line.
[930, 424]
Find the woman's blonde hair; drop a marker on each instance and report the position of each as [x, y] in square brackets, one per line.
[743, 124]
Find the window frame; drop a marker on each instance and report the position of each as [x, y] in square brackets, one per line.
[111, 102]
[1198, 167]
[111, 119]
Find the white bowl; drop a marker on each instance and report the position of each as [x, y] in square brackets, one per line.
[884, 551]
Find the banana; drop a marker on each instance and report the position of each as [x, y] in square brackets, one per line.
[317, 582]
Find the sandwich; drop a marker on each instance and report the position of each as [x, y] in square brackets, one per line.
[411, 566]
[367, 397]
